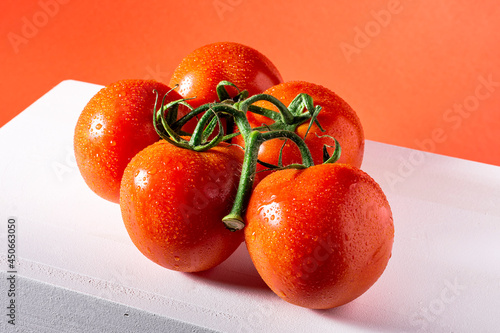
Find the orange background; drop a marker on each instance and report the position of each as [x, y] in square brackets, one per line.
[420, 74]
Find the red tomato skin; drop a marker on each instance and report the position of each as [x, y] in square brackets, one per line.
[115, 125]
[338, 119]
[173, 201]
[200, 71]
[319, 237]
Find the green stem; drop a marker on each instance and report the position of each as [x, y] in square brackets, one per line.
[239, 118]
[286, 116]
[265, 112]
[234, 220]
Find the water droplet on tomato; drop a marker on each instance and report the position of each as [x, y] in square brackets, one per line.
[186, 85]
[141, 179]
[176, 258]
[112, 143]
[98, 126]
[353, 186]
[271, 212]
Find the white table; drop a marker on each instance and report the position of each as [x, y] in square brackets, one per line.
[77, 270]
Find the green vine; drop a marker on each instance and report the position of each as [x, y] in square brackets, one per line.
[209, 132]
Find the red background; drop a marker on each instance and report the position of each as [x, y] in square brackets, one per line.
[416, 72]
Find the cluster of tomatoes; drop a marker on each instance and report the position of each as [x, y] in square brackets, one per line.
[229, 153]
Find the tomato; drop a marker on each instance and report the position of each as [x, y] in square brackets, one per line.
[319, 237]
[173, 200]
[200, 71]
[115, 125]
[337, 118]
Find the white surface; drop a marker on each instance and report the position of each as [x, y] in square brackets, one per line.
[444, 275]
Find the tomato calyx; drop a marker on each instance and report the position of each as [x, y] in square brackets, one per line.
[299, 111]
[170, 129]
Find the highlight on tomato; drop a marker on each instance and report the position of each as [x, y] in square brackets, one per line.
[115, 125]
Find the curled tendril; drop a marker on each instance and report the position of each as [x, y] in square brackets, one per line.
[336, 153]
[202, 133]
[224, 96]
[162, 118]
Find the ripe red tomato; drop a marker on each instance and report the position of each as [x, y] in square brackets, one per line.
[173, 200]
[321, 236]
[115, 125]
[200, 71]
[337, 118]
